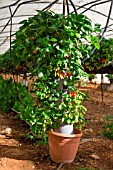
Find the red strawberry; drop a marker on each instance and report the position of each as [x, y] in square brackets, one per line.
[67, 56]
[69, 74]
[103, 61]
[60, 73]
[32, 38]
[72, 94]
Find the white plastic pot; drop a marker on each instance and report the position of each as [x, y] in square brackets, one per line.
[66, 129]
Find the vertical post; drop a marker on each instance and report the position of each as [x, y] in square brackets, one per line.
[102, 92]
[64, 7]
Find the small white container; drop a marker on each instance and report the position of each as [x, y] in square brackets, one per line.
[66, 129]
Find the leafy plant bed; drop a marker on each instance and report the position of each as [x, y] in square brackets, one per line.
[95, 151]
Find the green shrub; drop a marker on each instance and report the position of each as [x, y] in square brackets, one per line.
[108, 129]
[8, 94]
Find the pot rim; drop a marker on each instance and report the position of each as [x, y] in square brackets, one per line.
[78, 134]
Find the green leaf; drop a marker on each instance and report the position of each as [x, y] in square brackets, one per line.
[53, 39]
[40, 75]
[97, 45]
[68, 121]
[77, 35]
[23, 22]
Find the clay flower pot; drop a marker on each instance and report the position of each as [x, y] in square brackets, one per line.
[63, 147]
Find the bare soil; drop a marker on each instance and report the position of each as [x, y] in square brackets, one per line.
[17, 152]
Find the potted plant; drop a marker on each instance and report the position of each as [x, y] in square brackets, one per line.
[53, 46]
[91, 77]
[110, 77]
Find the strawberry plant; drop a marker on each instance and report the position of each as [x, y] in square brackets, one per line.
[52, 47]
[102, 57]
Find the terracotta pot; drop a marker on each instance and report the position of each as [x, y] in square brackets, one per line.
[63, 147]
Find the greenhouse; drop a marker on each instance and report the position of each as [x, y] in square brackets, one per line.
[56, 84]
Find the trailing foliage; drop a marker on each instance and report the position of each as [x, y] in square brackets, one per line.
[52, 36]
[51, 47]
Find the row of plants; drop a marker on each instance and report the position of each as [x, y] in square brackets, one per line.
[101, 57]
[93, 76]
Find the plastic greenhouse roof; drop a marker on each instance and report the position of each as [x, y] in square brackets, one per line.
[14, 11]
